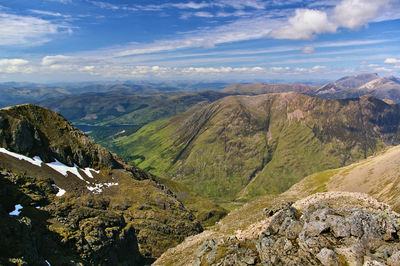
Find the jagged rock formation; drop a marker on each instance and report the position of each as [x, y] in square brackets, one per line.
[85, 201]
[243, 146]
[310, 232]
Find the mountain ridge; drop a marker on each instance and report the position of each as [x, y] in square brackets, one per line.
[94, 207]
[275, 138]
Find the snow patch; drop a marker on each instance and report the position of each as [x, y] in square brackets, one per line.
[98, 188]
[88, 172]
[64, 169]
[16, 210]
[36, 160]
[60, 191]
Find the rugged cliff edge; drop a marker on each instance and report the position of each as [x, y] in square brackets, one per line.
[78, 202]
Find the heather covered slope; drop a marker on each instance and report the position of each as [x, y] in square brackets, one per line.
[243, 146]
[94, 207]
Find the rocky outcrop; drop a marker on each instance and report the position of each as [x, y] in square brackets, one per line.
[97, 211]
[316, 235]
[35, 131]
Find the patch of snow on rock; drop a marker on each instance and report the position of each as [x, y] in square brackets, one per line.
[63, 169]
[88, 172]
[60, 191]
[98, 188]
[16, 211]
[36, 160]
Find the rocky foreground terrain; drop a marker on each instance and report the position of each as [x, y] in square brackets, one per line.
[335, 228]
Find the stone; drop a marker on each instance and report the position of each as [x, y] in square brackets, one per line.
[339, 226]
[394, 260]
[327, 257]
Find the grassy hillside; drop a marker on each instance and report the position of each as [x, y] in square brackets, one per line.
[377, 175]
[244, 146]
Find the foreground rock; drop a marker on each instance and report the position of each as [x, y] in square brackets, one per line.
[316, 235]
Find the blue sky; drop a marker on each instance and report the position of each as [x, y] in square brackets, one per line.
[241, 40]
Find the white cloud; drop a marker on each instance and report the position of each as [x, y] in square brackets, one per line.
[190, 5]
[26, 30]
[49, 13]
[383, 69]
[241, 30]
[110, 6]
[308, 50]
[305, 25]
[15, 66]
[241, 4]
[392, 61]
[352, 14]
[203, 14]
[55, 60]
[318, 67]
[355, 13]
[279, 69]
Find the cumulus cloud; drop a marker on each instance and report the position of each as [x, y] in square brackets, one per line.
[15, 66]
[305, 25]
[26, 30]
[392, 61]
[353, 14]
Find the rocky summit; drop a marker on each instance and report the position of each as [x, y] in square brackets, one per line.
[67, 201]
[309, 232]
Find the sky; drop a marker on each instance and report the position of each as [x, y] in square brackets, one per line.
[224, 40]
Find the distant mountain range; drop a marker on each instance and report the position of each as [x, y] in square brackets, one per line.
[385, 88]
[21, 92]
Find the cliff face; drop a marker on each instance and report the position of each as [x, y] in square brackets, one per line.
[80, 203]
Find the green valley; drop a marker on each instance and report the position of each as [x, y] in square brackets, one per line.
[243, 146]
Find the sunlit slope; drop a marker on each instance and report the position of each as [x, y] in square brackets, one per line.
[243, 146]
[377, 175]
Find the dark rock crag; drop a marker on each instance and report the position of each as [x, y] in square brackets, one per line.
[130, 223]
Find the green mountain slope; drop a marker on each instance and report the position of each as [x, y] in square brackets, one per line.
[244, 146]
[81, 203]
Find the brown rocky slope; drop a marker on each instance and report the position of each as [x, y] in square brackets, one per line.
[80, 203]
